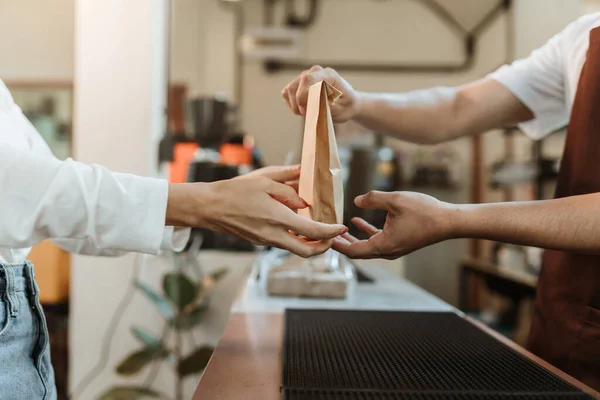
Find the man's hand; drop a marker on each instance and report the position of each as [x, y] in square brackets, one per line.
[257, 207]
[414, 221]
[295, 93]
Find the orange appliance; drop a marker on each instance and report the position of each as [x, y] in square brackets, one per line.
[183, 154]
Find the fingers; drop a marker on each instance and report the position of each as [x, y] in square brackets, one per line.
[354, 248]
[292, 98]
[340, 241]
[279, 173]
[375, 200]
[374, 247]
[314, 230]
[360, 249]
[307, 79]
[289, 95]
[301, 247]
[285, 194]
[365, 226]
[295, 93]
[349, 238]
[294, 184]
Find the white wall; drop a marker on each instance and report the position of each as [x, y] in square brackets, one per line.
[36, 39]
[202, 54]
[590, 6]
[187, 44]
[536, 21]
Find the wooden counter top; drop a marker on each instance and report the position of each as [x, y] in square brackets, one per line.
[247, 361]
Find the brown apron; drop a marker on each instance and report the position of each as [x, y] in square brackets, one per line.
[565, 329]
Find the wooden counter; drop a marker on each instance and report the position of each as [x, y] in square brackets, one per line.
[246, 363]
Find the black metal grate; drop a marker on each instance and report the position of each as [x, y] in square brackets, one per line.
[379, 355]
[320, 394]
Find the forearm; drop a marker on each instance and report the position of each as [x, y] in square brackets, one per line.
[423, 116]
[570, 224]
[439, 114]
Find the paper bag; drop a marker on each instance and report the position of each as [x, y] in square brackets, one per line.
[321, 174]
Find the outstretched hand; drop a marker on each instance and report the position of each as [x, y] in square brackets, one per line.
[258, 207]
[414, 220]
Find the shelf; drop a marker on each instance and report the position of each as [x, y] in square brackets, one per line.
[508, 173]
[489, 268]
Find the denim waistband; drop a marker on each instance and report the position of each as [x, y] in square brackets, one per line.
[17, 278]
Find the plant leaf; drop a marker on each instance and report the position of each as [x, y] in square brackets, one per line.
[185, 321]
[134, 362]
[208, 282]
[218, 274]
[145, 337]
[179, 289]
[130, 393]
[165, 308]
[195, 362]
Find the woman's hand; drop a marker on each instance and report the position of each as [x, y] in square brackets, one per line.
[414, 221]
[295, 93]
[257, 207]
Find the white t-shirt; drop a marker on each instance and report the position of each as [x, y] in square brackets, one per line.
[546, 81]
[82, 208]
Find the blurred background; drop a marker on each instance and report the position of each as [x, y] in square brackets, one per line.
[189, 90]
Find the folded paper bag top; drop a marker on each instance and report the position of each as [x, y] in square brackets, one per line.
[320, 171]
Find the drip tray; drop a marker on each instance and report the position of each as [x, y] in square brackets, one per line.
[379, 355]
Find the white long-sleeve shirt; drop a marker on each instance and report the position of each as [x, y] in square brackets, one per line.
[82, 208]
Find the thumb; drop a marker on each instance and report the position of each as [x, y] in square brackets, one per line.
[315, 230]
[375, 200]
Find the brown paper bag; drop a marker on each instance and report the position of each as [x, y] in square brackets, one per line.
[321, 174]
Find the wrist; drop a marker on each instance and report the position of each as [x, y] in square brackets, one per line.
[187, 204]
[458, 219]
[361, 100]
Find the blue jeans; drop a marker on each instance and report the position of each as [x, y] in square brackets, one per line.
[25, 369]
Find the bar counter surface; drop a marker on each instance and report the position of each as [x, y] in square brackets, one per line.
[246, 363]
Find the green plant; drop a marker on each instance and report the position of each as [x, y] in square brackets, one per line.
[183, 304]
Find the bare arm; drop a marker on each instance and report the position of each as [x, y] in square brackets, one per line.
[570, 223]
[416, 220]
[425, 116]
[438, 114]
